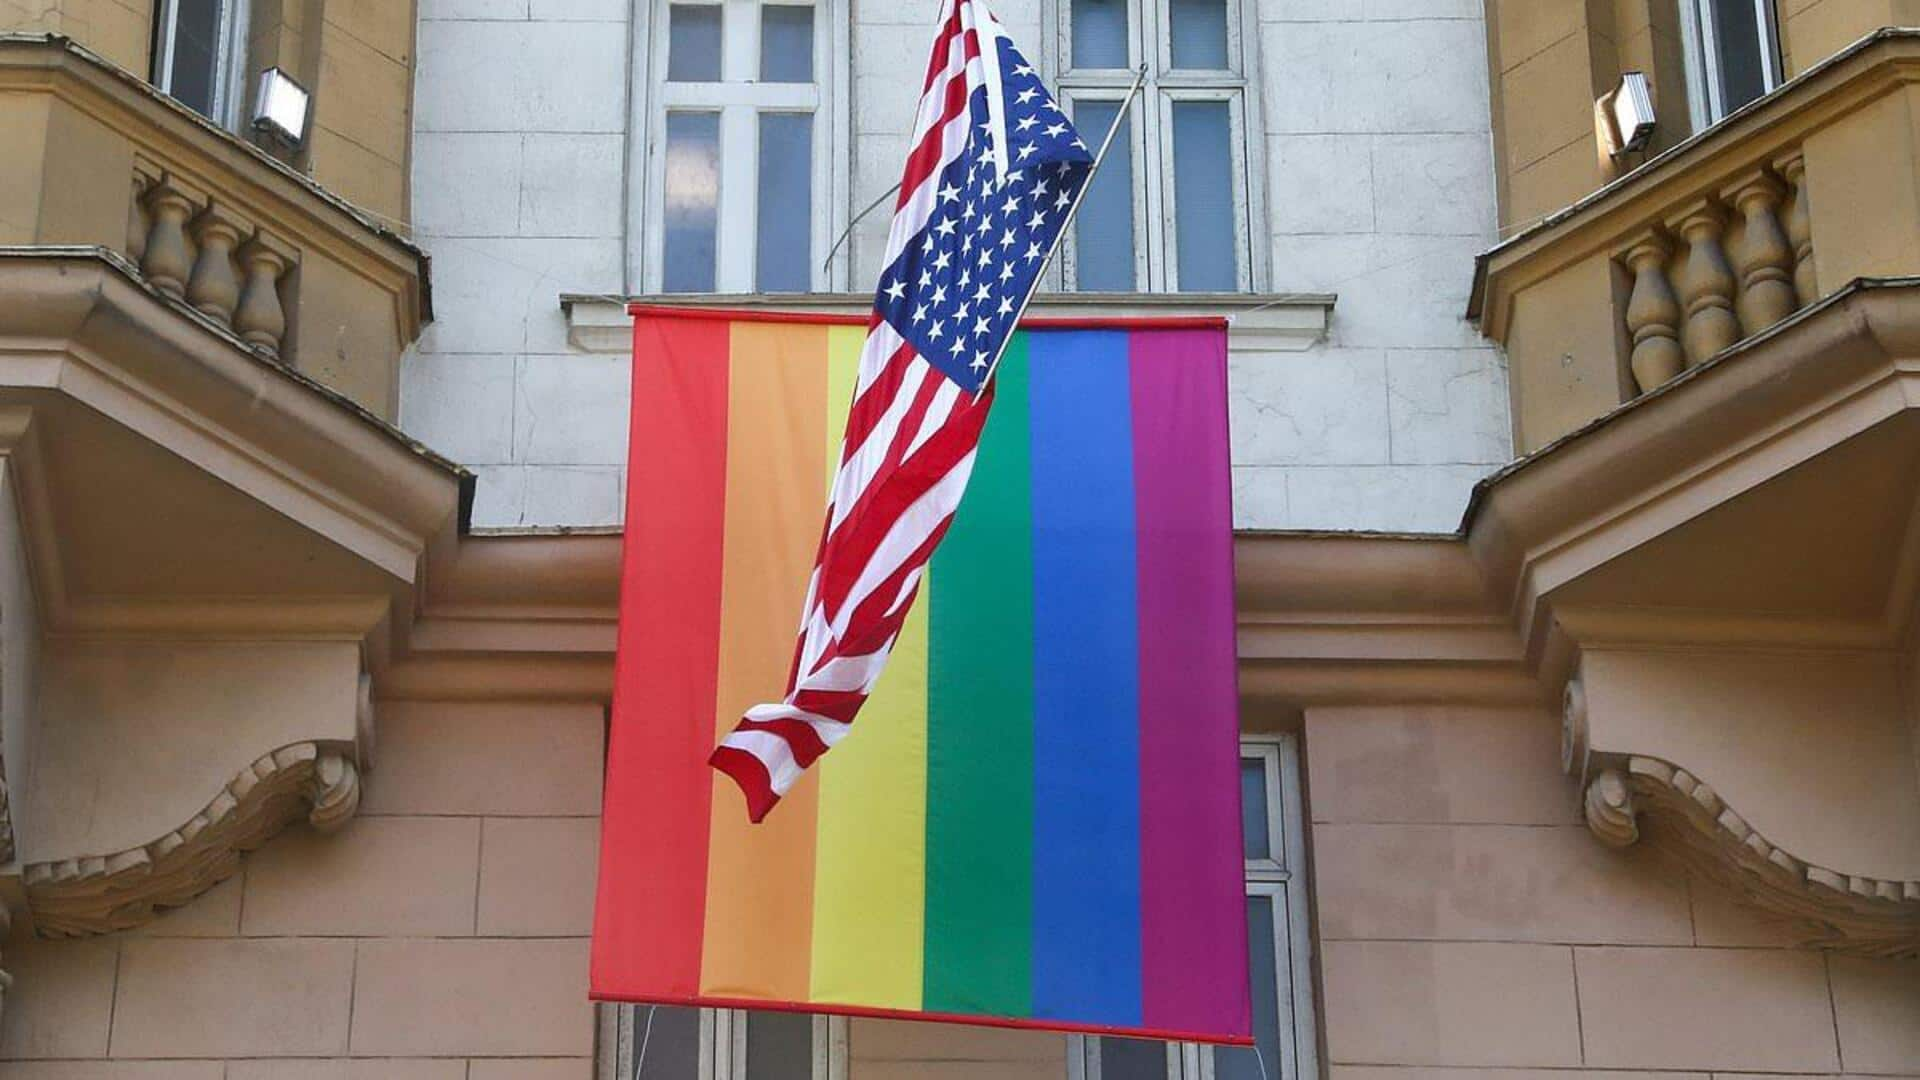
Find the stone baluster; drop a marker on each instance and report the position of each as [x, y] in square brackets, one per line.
[1763, 258]
[1653, 312]
[1706, 282]
[214, 289]
[260, 320]
[1799, 223]
[145, 176]
[165, 260]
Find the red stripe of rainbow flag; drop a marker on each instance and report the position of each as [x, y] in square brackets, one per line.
[1036, 821]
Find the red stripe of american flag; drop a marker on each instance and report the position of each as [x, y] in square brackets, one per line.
[897, 486]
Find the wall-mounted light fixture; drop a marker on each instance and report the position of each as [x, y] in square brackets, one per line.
[280, 107]
[1628, 109]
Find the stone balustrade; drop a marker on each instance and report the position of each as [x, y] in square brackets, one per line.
[194, 247]
[1713, 242]
[1717, 271]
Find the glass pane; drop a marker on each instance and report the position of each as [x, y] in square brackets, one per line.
[1200, 34]
[1132, 1059]
[666, 1042]
[693, 43]
[1103, 233]
[196, 51]
[1100, 34]
[786, 44]
[692, 200]
[1741, 60]
[784, 253]
[779, 1046]
[1253, 808]
[1243, 1064]
[1203, 196]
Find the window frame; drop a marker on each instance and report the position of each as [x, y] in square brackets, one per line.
[1282, 877]
[228, 95]
[1156, 239]
[1702, 58]
[739, 99]
[723, 1044]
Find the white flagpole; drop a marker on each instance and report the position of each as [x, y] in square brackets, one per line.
[1139, 80]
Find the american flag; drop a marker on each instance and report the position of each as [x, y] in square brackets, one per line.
[992, 178]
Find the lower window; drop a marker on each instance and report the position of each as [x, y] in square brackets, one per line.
[646, 1042]
[1277, 941]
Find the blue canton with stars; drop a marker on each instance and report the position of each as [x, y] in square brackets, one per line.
[957, 287]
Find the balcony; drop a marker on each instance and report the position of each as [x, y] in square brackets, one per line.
[96, 158]
[1712, 243]
[212, 542]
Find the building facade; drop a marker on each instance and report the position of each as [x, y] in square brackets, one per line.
[1575, 474]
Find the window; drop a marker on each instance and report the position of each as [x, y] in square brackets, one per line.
[1173, 206]
[747, 154]
[199, 56]
[1732, 55]
[642, 1042]
[1277, 940]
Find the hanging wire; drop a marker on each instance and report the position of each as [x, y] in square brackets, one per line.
[640, 1059]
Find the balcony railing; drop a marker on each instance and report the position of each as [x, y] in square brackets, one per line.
[1711, 243]
[288, 269]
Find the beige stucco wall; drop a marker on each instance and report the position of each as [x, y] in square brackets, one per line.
[447, 924]
[1467, 921]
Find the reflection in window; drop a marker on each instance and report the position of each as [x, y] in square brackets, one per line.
[693, 43]
[1199, 34]
[1263, 945]
[194, 44]
[1103, 231]
[741, 127]
[784, 255]
[667, 1043]
[1203, 196]
[1190, 208]
[1732, 55]
[1100, 34]
[786, 44]
[692, 201]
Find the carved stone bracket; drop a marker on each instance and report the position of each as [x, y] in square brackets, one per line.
[102, 894]
[1681, 814]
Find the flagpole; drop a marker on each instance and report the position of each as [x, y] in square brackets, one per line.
[1113, 129]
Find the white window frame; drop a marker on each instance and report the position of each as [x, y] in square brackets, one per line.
[1279, 876]
[739, 99]
[1704, 98]
[1149, 34]
[230, 58]
[723, 1044]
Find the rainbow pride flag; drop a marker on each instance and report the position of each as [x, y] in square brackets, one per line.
[1036, 820]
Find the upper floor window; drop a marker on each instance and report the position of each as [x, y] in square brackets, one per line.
[1277, 940]
[199, 54]
[745, 157]
[1173, 206]
[1733, 55]
[663, 1043]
